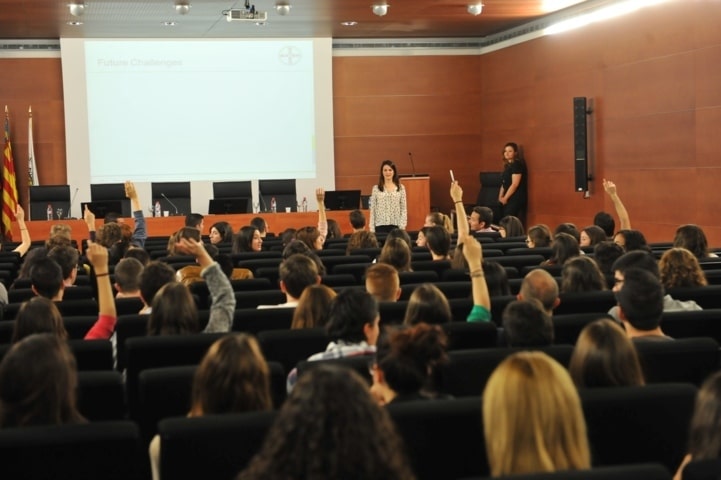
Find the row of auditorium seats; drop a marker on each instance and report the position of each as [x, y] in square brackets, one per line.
[444, 439]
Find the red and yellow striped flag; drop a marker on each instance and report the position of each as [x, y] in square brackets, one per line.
[10, 191]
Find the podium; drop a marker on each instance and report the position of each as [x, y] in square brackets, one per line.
[418, 199]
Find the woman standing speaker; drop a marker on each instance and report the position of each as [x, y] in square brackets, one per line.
[513, 195]
[388, 208]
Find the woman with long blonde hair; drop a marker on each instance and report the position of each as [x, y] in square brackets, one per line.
[532, 418]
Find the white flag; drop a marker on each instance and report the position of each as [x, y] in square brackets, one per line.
[32, 168]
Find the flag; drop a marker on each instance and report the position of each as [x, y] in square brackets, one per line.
[10, 191]
[32, 168]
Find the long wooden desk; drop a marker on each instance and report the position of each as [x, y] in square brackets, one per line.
[166, 226]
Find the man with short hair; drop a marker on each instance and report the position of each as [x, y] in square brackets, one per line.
[127, 278]
[527, 324]
[67, 257]
[261, 225]
[481, 220]
[383, 282]
[538, 284]
[645, 261]
[295, 273]
[640, 305]
[46, 279]
[155, 275]
[195, 220]
[357, 220]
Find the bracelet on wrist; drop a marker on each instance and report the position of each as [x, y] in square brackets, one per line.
[477, 274]
[458, 201]
[98, 275]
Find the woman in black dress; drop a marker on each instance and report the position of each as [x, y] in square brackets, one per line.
[513, 195]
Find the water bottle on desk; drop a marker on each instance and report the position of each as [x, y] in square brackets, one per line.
[50, 212]
[304, 205]
[273, 205]
[158, 212]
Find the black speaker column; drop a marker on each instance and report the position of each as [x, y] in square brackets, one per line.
[580, 143]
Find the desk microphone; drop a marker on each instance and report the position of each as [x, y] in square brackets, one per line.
[171, 203]
[262, 202]
[413, 166]
[72, 200]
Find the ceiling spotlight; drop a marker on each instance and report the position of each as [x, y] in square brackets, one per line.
[77, 9]
[380, 10]
[182, 7]
[283, 8]
[475, 8]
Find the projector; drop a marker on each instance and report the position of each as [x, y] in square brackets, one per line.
[246, 15]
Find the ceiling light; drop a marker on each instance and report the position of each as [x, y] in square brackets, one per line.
[182, 7]
[475, 8]
[282, 8]
[76, 9]
[169, 23]
[349, 23]
[75, 23]
[380, 10]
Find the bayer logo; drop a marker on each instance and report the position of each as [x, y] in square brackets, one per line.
[289, 55]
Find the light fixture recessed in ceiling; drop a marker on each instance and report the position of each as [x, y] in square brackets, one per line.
[282, 8]
[350, 23]
[77, 9]
[475, 8]
[75, 23]
[380, 10]
[182, 7]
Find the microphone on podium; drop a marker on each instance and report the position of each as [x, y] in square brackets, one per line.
[72, 200]
[413, 166]
[171, 203]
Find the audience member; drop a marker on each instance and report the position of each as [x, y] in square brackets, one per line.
[427, 304]
[400, 234]
[155, 275]
[25, 240]
[704, 441]
[233, 377]
[313, 306]
[645, 261]
[334, 231]
[357, 220]
[473, 253]
[564, 247]
[38, 315]
[247, 239]
[581, 274]
[195, 220]
[680, 268]
[640, 305]
[605, 254]
[510, 226]
[605, 220]
[532, 418]
[496, 279]
[261, 225]
[295, 274]
[570, 229]
[481, 220]
[439, 219]
[296, 246]
[693, 238]
[538, 236]
[631, 240]
[540, 285]
[330, 427]
[140, 254]
[397, 253]
[60, 234]
[406, 360]
[591, 236]
[421, 240]
[383, 282]
[604, 357]
[352, 328]
[361, 239]
[174, 310]
[38, 381]
[127, 278]
[315, 237]
[526, 324]
[46, 279]
[438, 241]
[67, 257]
[221, 232]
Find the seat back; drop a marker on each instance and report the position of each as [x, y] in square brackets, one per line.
[464, 335]
[629, 425]
[101, 396]
[288, 347]
[647, 471]
[682, 360]
[255, 320]
[221, 444]
[107, 449]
